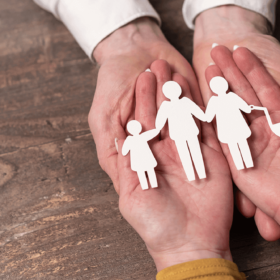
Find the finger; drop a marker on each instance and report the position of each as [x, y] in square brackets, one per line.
[184, 85]
[162, 71]
[211, 72]
[186, 70]
[146, 108]
[268, 228]
[128, 179]
[245, 206]
[266, 88]
[237, 82]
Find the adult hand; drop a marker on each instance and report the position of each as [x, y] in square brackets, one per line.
[249, 78]
[180, 220]
[229, 26]
[123, 56]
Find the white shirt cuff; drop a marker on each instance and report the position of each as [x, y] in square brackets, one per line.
[192, 8]
[90, 21]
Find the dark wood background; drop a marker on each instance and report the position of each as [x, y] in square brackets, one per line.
[59, 216]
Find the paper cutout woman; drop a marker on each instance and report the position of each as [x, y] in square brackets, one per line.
[182, 128]
[231, 125]
[141, 157]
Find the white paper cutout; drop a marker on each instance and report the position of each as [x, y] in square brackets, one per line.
[141, 156]
[231, 125]
[182, 127]
[274, 127]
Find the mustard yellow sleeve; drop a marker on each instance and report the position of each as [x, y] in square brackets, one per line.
[205, 269]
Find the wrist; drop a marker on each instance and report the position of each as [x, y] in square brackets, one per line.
[170, 258]
[132, 37]
[229, 21]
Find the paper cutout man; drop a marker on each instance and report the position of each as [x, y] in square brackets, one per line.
[231, 125]
[182, 127]
[141, 156]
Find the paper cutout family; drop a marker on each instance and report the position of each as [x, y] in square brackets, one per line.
[231, 126]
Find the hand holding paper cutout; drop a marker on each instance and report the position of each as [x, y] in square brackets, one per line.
[179, 220]
[259, 186]
[121, 60]
[182, 127]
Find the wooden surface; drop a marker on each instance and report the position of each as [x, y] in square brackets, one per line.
[59, 216]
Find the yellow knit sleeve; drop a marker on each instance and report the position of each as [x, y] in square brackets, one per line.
[205, 269]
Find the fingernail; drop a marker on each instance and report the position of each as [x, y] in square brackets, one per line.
[235, 47]
[214, 45]
[116, 144]
[211, 63]
[148, 70]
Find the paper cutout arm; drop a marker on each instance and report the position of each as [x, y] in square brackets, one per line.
[150, 134]
[161, 116]
[195, 110]
[243, 106]
[210, 110]
[126, 146]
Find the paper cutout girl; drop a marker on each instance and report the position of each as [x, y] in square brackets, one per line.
[141, 157]
[231, 125]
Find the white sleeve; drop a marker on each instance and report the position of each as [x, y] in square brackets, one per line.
[192, 8]
[90, 21]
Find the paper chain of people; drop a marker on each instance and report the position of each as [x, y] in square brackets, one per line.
[231, 126]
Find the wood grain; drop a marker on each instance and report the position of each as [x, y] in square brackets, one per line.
[59, 216]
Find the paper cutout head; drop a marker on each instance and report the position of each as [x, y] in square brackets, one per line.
[172, 90]
[134, 127]
[219, 85]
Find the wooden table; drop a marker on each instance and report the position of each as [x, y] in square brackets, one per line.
[59, 211]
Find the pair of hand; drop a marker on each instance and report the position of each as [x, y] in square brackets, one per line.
[182, 221]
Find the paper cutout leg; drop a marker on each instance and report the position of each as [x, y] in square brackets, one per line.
[185, 157]
[143, 180]
[197, 157]
[236, 155]
[152, 178]
[246, 153]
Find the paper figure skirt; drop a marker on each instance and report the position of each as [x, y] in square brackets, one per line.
[137, 158]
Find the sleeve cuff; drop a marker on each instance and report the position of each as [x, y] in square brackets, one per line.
[91, 21]
[202, 269]
[191, 9]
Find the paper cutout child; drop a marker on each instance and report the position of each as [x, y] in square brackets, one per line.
[182, 127]
[231, 125]
[141, 156]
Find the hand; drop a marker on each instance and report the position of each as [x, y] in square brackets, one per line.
[123, 56]
[249, 78]
[179, 221]
[231, 25]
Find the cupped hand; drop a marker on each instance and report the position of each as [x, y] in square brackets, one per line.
[249, 78]
[180, 220]
[123, 56]
[234, 26]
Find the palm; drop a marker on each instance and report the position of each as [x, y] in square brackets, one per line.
[179, 213]
[256, 81]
